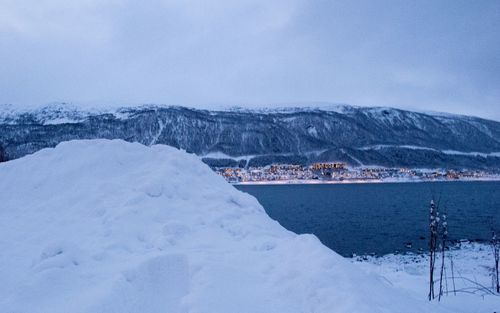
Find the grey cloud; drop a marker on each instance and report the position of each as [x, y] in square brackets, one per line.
[427, 55]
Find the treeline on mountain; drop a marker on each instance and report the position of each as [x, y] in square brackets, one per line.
[3, 156]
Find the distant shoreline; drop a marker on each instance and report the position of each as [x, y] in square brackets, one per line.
[344, 182]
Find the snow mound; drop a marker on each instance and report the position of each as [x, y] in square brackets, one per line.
[109, 226]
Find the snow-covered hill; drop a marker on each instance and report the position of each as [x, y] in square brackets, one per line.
[242, 137]
[110, 226]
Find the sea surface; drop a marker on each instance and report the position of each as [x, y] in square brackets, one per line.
[381, 218]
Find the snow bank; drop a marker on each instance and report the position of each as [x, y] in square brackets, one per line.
[109, 226]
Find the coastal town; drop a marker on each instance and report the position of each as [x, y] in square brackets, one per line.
[338, 172]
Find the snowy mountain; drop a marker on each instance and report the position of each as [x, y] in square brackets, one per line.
[356, 135]
[110, 226]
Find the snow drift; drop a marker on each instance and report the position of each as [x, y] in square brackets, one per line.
[110, 226]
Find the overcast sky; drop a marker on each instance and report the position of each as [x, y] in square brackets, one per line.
[425, 55]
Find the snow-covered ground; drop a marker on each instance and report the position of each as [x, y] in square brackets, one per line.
[468, 288]
[109, 226]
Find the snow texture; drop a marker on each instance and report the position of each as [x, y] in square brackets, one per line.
[110, 226]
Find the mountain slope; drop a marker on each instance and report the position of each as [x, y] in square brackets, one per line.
[368, 136]
[109, 226]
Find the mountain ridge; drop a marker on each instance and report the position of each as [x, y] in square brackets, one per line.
[7, 109]
[250, 137]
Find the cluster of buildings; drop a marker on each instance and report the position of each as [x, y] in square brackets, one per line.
[340, 172]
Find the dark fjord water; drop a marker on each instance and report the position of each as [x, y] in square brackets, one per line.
[381, 218]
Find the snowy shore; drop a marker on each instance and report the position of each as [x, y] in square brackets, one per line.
[361, 181]
[468, 288]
